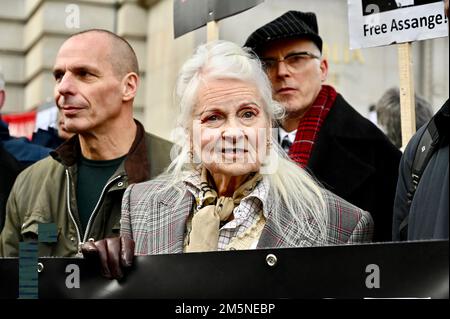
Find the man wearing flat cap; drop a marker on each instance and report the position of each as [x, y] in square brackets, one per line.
[321, 132]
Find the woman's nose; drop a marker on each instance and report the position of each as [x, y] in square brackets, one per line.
[233, 136]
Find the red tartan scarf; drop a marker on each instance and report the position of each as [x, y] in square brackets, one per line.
[310, 124]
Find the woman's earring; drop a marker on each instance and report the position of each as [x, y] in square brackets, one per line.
[191, 155]
[268, 147]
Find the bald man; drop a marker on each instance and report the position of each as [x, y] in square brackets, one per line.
[80, 186]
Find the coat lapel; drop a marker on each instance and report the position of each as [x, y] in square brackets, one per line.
[334, 159]
[327, 161]
[169, 223]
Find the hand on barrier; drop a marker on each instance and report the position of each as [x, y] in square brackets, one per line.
[114, 253]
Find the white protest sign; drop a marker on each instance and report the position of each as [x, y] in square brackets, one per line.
[383, 22]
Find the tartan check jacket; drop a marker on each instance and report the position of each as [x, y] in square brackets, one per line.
[157, 223]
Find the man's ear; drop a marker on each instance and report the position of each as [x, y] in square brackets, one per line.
[324, 69]
[130, 84]
[2, 98]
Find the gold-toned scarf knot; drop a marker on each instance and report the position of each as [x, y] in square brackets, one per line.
[211, 210]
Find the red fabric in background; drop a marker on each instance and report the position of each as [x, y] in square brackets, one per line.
[21, 124]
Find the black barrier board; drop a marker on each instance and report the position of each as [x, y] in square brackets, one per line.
[405, 270]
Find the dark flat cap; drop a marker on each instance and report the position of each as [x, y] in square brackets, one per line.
[291, 25]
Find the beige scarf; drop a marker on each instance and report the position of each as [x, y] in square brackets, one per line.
[204, 235]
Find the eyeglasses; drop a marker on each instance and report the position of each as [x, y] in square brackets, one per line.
[293, 61]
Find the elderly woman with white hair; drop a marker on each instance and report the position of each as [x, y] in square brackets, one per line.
[229, 185]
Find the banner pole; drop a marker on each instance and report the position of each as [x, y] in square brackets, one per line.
[212, 29]
[407, 98]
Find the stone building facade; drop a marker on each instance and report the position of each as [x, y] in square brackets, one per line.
[32, 31]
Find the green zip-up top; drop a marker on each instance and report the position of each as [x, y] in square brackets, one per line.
[45, 193]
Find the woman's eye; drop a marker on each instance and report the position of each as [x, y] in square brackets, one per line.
[212, 118]
[248, 115]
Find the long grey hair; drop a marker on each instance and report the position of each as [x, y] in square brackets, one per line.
[290, 186]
